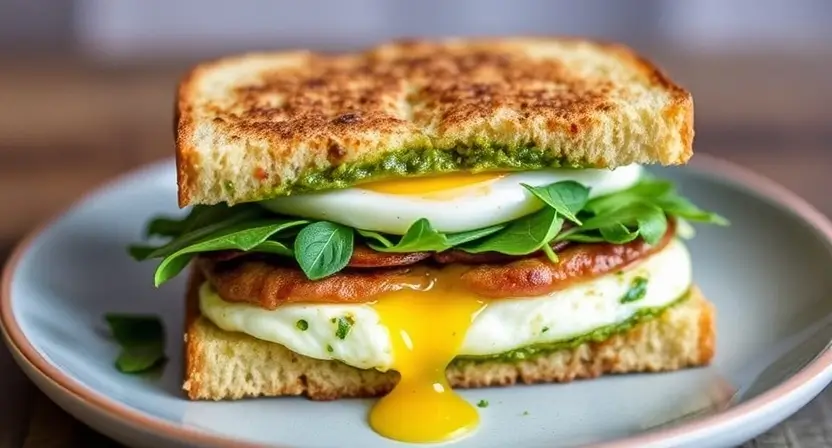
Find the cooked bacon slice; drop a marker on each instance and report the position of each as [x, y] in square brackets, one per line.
[269, 285]
[537, 276]
[364, 257]
[269, 282]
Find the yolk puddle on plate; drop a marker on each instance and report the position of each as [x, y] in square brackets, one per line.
[427, 328]
[432, 186]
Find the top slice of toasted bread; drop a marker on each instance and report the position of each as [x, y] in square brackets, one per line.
[258, 125]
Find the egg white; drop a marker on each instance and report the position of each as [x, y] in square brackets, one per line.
[502, 326]
[465, 208]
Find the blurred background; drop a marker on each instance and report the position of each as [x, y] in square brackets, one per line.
[86, 86]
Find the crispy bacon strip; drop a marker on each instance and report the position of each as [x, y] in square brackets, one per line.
[537, 276]
[268, 283]
[362, 257]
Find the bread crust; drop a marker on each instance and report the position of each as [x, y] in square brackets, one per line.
[223, 365]
[262, 124]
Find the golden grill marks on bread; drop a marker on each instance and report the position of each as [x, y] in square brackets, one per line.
[227, 365]
[269, 284]
[264, 124]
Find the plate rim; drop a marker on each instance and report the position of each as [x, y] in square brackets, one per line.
[724, 170]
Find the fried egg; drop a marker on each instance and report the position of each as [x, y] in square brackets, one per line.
[419, 332]
[452, 203]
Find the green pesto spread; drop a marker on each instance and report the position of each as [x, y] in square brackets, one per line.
[597, 335]
[413, 162]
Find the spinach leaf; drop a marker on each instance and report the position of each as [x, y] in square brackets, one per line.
[245, 236]
[682, 207]
[420, 236]
[617, 234]
[164, 226]
[646, 191]
[652, 224]
[370, 234]
[323, 248]
[566, 197]
[522, 236]
[198, 234]
[459, 238]
[274, 247]
[142, 341]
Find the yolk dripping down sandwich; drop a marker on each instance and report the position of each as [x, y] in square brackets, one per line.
[431, 215]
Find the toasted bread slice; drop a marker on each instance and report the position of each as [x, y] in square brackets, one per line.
[258, 125]
[226, 365]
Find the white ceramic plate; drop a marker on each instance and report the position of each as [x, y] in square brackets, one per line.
[769, 274]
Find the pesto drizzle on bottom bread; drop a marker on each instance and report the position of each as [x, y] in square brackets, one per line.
[597, 335]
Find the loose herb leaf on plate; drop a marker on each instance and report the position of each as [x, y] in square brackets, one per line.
[323, 248]
[142, 341]
[566, 197]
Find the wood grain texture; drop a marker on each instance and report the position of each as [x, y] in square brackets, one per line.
[66, 128]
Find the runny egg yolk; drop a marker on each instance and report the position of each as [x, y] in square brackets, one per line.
[427, 328]
[432, 184]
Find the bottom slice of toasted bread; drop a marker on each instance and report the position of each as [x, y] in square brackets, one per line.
[228, 365]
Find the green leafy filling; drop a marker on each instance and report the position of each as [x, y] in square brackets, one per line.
[142, 341]
[323, 248]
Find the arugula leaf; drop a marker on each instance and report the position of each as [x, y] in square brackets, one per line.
[274, 247]
[627, 215]
[566, 197]
[522, 236]
[419, 237]
[589, 237]
[323, 248]
[376, 236]
[679, 206]
[646, 191]
[142, 341]
[624, 224]
[456, 239]
[163, 226]
[197, 234]
[140, 252]
[245, 236]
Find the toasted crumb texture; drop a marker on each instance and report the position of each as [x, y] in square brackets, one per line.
[225, 365]
[264, 124]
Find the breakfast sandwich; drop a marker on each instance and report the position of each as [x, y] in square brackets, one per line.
[430, 215]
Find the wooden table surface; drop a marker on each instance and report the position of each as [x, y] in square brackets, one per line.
[66, 127]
